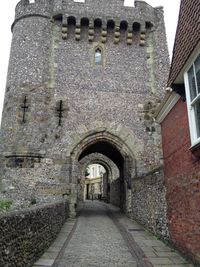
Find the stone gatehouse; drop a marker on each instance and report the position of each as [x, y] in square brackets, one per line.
[84, 80]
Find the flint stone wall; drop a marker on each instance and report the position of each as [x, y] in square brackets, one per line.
[115, 192]
[26, 234]
[149, 204]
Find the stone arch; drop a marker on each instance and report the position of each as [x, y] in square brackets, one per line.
[71, 20]
[122, 132]
[123, 25]
[84, 24]
[110, 24]
[98, 158]
[92, 137]
[71, 24]
[98, 55]
[136, 26]
[123, 29]
[112, 147]
[111, 178]
[97, 23]
[148, 25]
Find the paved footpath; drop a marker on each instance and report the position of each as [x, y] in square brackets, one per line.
[103, 237]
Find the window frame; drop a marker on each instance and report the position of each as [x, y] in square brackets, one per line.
[94, 47]
[100, 63]
[191, 103]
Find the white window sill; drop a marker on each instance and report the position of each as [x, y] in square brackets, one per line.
[195, 148]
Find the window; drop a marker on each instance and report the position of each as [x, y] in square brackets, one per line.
[192, 85]
[98, 56]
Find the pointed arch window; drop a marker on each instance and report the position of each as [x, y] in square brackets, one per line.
[98, 56]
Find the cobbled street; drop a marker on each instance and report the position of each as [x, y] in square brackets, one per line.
[103, 237]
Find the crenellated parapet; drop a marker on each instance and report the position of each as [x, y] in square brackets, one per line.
[30, 8]
[110, 9]
[111, 19]
[100, 29]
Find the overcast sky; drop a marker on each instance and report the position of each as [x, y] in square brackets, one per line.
[7, 8]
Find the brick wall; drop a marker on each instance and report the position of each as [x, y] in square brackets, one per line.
[187, 36]
[182, 178]
[26, 234]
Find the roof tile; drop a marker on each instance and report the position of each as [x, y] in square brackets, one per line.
[187, 36]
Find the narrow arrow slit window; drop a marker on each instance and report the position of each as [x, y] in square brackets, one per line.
[98, 56]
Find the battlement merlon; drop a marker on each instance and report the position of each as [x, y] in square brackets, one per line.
[27, 8]
[107, 10]
[92, 9]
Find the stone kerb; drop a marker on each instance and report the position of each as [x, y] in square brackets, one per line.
[26, 234]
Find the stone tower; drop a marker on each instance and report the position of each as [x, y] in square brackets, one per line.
[83, 83]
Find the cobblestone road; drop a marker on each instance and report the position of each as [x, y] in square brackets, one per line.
[102, 237]
[96, 241]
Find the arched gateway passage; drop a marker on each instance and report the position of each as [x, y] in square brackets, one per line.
[110, 180]
[110, 151]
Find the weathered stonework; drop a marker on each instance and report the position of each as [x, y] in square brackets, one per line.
[60, 106]
[149, 203]
[26, 234]
[112, 177]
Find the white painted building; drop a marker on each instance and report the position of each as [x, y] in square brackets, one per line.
[95, 171]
